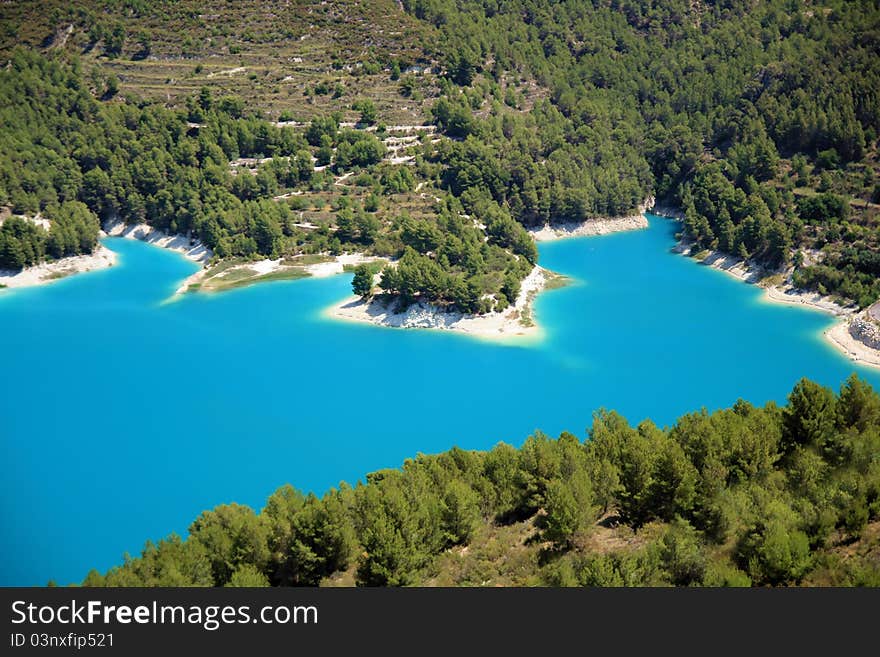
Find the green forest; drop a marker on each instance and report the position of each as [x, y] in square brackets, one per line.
[77, 160]
[761, 496]
[738, 113]
[758, 120]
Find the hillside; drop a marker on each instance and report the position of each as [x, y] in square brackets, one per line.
[757, 121]
[762, 496]
[301, 59]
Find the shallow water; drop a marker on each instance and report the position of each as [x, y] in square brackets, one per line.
[123, 416]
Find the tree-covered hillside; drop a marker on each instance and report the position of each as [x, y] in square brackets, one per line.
[742, 496]
[245, 186]
[759, 120]
[294, 58]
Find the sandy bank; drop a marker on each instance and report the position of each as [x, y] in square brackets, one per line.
[784, 292]
[589, 227]
[852, 334]
[191, 248]
[338, 264]
[48, 272]
[104, 257]
[841, 336]
[222, 276]
[515, 322]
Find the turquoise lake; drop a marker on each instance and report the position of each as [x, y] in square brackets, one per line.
[123, 417]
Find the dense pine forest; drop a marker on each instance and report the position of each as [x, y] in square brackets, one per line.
[744, 496]
[758, 119]
[270, 131]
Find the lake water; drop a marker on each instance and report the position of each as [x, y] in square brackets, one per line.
[123, 417]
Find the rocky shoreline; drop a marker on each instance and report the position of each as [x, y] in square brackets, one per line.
[102, 257]
[866, 331]
[857, 333]
[49, 272]
[189, 247]
[596, 226]
[247, 273]
[589, 228]
[515, 322]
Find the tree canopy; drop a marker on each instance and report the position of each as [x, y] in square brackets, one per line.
[760, 121]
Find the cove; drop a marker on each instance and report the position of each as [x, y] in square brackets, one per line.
[123, 416]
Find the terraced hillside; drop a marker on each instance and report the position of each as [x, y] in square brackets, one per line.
[759, 123]
[296, 58]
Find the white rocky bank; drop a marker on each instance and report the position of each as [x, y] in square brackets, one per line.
[191, 248]
[866, 331]
[857, 334]
[514, 322]
[508, 323]
[103, 257]
[590, 227]
[49, 272]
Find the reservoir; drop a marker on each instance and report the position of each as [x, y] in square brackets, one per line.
[124, 415]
